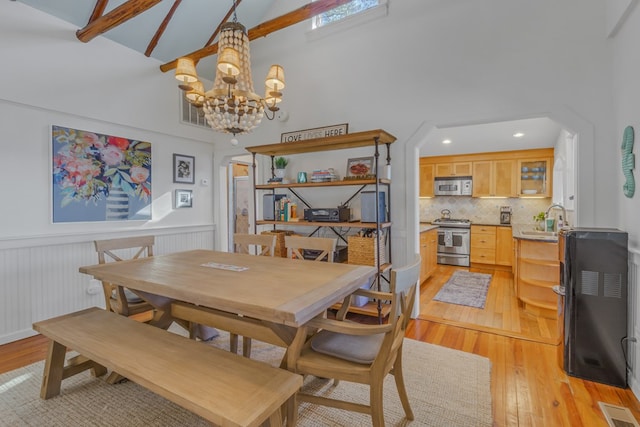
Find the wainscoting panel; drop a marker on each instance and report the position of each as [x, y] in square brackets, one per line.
[41, 280]
[633, 323]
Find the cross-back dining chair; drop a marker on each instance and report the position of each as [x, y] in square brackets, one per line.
[365, 354]
[117, 298]
[297, 244]
[255, 244]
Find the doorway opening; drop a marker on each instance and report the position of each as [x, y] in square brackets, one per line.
[239, 200]
[502, 314]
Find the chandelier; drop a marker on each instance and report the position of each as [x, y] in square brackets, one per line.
[232, 106]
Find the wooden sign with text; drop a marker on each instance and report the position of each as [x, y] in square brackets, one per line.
[323, 132]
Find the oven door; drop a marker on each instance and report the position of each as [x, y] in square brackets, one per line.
[454, 241]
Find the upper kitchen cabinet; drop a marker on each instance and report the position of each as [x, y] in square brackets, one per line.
[534, 177]
[453, 169]
[494, 178]
[517, 173]
[426, 179]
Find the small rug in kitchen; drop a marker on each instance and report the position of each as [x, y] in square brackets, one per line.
[465, 288]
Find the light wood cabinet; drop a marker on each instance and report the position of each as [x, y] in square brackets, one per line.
[494, 178]
[538, 270]
[534, 177]
[504, 246]
[453, 169]
[483, 244]
[426, 179]
[518, 173]
[491, 245]
[428, 253]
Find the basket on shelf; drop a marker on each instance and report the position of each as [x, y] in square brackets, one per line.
[281, 249]
[363, 250]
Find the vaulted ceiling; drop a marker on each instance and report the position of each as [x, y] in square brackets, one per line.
[169, 29]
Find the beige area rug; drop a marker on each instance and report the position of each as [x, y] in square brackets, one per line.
[446, 388]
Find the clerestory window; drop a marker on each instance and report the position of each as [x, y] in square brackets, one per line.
[341, 12]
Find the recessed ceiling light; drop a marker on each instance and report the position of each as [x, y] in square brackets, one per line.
[446, 141]
[518, 135]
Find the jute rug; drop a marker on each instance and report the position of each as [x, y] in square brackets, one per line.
[465, 288]
[446, 388]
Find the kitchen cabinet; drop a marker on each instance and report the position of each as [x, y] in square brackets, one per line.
[504, 246]
[428, 253]
[375, 139]
[494, 178]
[483, 244]
[491, 245]
[534, 177]
[426, 179]
[538, 269]
[518, 173]
[453, 169]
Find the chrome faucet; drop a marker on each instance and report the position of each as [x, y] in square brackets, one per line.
[564, 213]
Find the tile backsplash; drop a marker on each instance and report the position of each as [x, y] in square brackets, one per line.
[484, 211]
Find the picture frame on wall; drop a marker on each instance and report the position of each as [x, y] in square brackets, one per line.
[184, 199]
[184, 169]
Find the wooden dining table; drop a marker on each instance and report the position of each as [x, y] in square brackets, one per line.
[267, 298]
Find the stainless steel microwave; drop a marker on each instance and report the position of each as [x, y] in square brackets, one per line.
[453, 186]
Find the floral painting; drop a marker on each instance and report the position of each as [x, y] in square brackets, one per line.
[99, 177]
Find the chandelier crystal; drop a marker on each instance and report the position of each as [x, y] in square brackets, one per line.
[231, 105]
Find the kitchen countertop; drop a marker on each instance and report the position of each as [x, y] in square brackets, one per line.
[494, 224]
[426, 226]
[527, 232]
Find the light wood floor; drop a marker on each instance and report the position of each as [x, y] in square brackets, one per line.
[528, 386]
[501, 315]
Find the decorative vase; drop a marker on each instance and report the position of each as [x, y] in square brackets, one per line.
[540, 226]
[117, 205]
[280, 173]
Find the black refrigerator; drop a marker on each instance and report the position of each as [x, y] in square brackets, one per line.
[593, 272]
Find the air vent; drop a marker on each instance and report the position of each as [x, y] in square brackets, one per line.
[618, 416]
[191, 115]
[589, 283]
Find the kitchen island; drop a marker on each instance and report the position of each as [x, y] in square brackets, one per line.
[536, 270]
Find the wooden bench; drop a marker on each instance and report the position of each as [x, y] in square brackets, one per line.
[224, 388]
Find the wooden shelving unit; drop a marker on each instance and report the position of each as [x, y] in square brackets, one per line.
[372, 138]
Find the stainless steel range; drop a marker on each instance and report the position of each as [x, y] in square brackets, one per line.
[454, 241]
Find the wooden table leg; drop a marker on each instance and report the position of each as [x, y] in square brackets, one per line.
[53, 371]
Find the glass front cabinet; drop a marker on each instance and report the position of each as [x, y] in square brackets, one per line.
[534, 177]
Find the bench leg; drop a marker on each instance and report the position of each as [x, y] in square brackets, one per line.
[246, 347]
[53, 371]
[233, 343]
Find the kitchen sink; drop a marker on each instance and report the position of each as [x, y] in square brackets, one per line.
[536, 233]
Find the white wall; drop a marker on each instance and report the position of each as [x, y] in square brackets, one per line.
[624, 15]
[438, 62]
[428, 63]
[49, 77]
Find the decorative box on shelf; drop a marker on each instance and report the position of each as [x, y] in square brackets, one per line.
[364, 251]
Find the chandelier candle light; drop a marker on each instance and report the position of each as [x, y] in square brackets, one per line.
[232, 106]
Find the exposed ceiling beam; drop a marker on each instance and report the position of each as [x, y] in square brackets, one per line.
[117, 16]
[156, 37]
[301, 14]
[98, 10]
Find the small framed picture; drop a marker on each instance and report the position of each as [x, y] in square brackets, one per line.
[184, 199]
[184, 169]
[360, 167]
